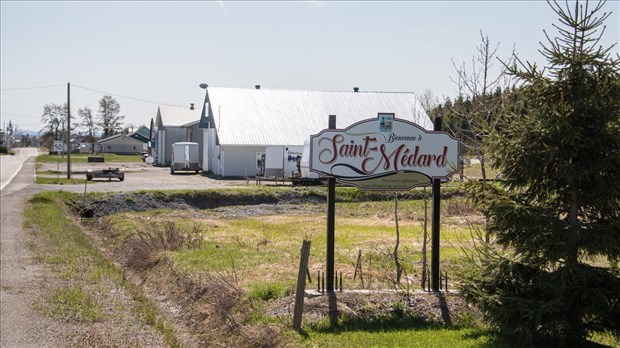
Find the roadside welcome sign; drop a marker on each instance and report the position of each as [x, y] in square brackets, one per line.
[384, 153]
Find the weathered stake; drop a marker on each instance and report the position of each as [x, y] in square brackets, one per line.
[318, 281]
[301, 285]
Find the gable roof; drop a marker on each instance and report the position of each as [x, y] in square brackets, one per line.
[119, 137]
[244, 116]
[177, 116]
[138, 136]
[143, 130]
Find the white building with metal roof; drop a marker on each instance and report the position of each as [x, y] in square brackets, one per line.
[121, 144]
[238, 124]
[174, 124]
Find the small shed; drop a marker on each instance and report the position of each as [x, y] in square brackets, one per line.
[122, 144]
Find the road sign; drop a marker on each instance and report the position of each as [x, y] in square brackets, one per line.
[58, 146]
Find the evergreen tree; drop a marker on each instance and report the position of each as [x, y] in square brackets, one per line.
[553, 273]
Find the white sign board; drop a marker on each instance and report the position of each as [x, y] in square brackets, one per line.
[384, 153]
[58, 146]
[290, 159]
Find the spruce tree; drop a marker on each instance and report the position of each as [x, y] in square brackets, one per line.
[552, 274]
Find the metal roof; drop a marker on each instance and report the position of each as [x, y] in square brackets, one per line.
[176, 116]
[246, 116]
[119, 137]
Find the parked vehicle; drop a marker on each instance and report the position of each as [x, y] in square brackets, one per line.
[109, 173]
[185, 157]
[303, 176]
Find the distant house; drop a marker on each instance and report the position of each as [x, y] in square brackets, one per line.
[174, 124]
[141, 134]
[122, 144]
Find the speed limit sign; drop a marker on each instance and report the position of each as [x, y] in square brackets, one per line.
[58, 146]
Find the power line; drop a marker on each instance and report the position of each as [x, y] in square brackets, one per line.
[24, 88]
[21, 102]
[126, 97]
[18, 115]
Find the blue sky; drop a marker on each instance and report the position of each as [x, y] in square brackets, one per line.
[162, 51]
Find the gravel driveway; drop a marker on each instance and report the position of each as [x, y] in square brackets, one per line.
[138, 176]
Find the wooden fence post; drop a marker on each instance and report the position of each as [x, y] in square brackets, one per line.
[301, 284]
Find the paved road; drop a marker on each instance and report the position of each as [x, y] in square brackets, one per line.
[10, 165]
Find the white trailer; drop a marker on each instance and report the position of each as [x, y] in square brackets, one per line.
[185, 157]
[303, 176]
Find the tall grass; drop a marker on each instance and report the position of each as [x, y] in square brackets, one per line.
[87, 277]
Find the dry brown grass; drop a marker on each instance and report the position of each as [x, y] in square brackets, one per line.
[459, 207]
[214, 307]
[145, 249]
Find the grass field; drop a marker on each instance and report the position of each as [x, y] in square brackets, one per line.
[261, 249]
[257, 247]
[266, 247]
[83, 158]
[80, 281]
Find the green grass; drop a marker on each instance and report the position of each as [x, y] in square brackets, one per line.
[474, 171]
[46, 180]
[72, 257]
[266, 248]
[397, 329]
[266, 291]
[83, 158]
[423, 338]
[264, 252]
[72, 303]
[67, 245]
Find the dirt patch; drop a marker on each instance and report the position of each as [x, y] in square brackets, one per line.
[252, 203]
[442, 309]
[232, 206]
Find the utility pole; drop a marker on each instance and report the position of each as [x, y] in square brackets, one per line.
[68, 130]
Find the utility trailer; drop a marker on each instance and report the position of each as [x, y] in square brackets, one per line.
[185, 157]
[108, 173]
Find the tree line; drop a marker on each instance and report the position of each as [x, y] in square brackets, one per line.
[108, 120]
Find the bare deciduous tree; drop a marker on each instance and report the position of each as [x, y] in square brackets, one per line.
[481, 88]
[88, 121]
[110, 119]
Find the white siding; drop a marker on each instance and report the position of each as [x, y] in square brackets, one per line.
[240, 161]
[122, 145]
[172, 135]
